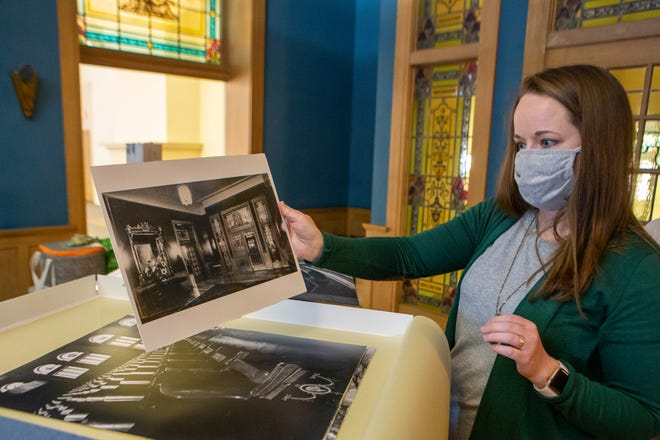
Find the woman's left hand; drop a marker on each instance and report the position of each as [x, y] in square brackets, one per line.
[518, 339]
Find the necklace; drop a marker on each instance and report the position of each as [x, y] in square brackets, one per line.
[500, 304]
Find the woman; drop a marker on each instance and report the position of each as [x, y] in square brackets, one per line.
[555, 329]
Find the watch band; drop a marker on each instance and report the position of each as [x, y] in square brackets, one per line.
[556, 382]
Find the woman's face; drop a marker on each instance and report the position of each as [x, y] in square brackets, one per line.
[542, 122]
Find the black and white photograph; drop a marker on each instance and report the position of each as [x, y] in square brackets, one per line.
[220, 383]
[199, 251]
[190, 243]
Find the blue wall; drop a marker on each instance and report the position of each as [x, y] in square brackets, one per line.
[322, 71]
[386, 41]
[307, 99]
[32, 164]
[363, 108]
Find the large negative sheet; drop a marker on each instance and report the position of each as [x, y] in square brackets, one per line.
[220, 383]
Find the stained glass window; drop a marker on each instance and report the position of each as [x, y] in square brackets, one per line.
[575, 14]
[448, 22]
[188, 30]
[642, 85]
[439, 171]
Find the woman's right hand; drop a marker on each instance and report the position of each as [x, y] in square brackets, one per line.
[306, 238]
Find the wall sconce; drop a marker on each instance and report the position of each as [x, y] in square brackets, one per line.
[185, 196]
[25, 81]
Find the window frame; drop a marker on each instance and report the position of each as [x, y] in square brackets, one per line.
[151, 63]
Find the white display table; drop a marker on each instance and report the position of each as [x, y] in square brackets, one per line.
[404, 392]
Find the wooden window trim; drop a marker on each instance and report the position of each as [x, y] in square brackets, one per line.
[444, 55]
[72, 125]
[629, 53]
[487, 63]
[135, 61]
[635, 42]
[628, 30]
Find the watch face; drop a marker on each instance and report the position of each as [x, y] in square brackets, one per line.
[558, 382]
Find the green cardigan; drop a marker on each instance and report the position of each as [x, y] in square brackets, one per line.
[612, 351]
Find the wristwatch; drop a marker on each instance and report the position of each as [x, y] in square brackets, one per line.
[556, 383]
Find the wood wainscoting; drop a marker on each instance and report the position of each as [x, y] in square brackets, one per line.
[16, 248]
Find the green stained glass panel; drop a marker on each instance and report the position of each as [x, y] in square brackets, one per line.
[188, 30]
[440, 164]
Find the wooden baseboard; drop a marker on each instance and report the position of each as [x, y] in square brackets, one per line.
[340, 221]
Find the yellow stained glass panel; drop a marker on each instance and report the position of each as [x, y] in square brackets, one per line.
[635, 99]
[654, 95]
[182, 29]
[595, 22]
[655, 13]
[632, 80]
[439, 167]
[600, 3]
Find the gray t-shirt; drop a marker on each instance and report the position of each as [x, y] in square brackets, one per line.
[509, 267]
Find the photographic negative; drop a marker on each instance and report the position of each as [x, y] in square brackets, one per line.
[325, 285]
[220, 383]
[197, 244]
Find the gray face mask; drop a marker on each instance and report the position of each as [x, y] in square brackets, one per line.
[545, 177]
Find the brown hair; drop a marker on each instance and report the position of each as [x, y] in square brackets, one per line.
[599, 210]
